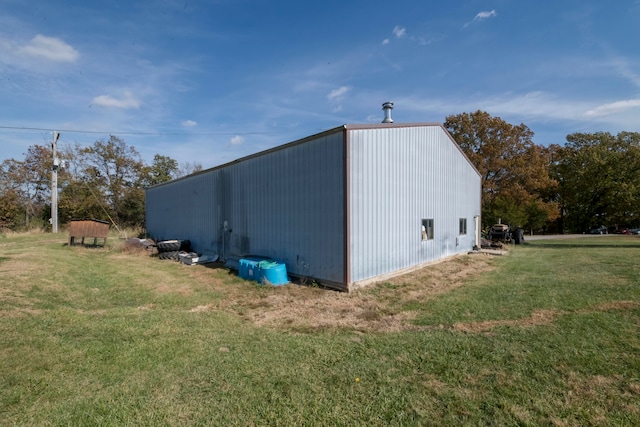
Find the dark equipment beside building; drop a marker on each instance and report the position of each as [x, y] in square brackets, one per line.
[503, 233]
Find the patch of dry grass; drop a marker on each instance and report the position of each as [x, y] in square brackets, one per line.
[377, 307]
[606, 390]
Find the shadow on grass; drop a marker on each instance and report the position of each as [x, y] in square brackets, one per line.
[218, 265]
[84, 245]
[573, 245]
[293, 280]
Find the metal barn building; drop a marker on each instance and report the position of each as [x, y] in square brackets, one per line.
[344, 207]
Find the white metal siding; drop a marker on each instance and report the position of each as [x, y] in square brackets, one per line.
[399, 176]
[287, 204]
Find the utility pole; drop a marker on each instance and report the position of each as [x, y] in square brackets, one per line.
[54, 185]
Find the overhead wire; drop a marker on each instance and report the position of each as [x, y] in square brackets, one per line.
[130, 132]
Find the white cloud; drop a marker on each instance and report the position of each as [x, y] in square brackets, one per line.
[485, 15]
[613, 108]
[336, 94]
[399, 31]
[481, 16]
[237, 140]
[128, 101]
[536, 109]
[531, 105]
[50, 48]
[624, 69]
[189, 123]
[537, 104]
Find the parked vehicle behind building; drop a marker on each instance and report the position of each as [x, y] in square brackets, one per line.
[505, 234]
[598, 230]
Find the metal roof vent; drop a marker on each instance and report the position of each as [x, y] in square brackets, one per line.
[387, 107]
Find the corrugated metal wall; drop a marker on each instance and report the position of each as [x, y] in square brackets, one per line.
[287, 204]
[398, 177]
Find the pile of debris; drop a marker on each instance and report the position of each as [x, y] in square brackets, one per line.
[171, 249]
[174, 250]
[146, 244]
[490, 244]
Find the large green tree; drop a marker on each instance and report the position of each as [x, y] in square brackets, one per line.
[11, 210]
[12, 206]
[162, 169]
[25, 188]
[105, 180]
[514, 170]
[599, 180]
[113, 169]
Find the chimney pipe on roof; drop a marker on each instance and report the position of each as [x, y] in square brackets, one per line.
[387, 107]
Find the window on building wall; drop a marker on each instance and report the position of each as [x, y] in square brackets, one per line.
[427, 229]
[463, 226]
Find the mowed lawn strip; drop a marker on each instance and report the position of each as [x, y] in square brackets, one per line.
[546, 278]
[545, 336]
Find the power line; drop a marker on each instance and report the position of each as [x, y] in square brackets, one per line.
[132, 133]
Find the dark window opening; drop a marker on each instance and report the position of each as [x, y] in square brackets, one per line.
[463, 226]
[427, 229]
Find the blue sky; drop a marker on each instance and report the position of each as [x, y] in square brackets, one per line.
[212, 81]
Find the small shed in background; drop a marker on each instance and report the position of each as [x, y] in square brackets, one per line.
[344, 207]
[88, 228]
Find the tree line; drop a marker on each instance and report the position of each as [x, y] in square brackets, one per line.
[592, 179]
[103, 181]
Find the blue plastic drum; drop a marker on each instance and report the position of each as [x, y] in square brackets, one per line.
[274, 272]
[263, 270]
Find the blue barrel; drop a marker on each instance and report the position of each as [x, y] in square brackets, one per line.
[263, 270]
[248, 268]
[273, 272]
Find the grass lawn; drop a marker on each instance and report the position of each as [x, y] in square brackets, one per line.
[549, 335]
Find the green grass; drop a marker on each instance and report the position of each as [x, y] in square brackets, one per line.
[561, 275]
[97, 337]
